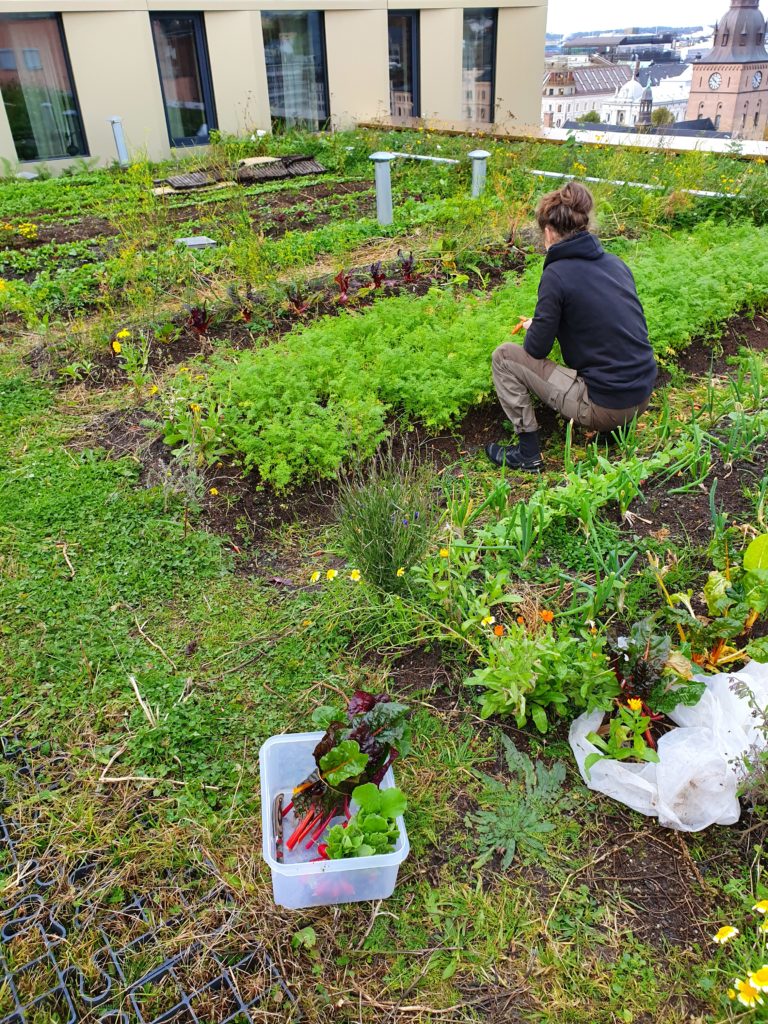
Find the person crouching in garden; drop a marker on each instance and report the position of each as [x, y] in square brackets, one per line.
[589, 303]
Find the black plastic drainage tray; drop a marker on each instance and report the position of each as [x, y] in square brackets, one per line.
[129, 976]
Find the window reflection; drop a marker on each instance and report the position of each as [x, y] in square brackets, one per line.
[479, 58]
[403, 64]
[37, 88]
[183, 62]
[294, 47]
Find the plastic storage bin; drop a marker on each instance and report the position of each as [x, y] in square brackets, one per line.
[285, 761]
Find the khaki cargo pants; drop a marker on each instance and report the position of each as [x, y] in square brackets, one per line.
[516, 375]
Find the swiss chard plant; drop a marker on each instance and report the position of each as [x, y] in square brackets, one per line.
[359, 745]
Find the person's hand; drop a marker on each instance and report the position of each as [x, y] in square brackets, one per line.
[527, 324]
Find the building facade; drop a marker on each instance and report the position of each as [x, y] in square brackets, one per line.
[570, 93]
[730, 83]
[626, 107]
[174, 70]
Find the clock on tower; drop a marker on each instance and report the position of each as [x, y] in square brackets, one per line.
[730, 83]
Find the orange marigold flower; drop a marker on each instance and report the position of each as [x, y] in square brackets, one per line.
[520, 620]
[498, 629]
[547, 615]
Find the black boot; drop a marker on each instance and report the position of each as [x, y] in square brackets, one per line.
[526, 455]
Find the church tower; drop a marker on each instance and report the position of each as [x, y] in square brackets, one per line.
[730, 83]
[646, 107]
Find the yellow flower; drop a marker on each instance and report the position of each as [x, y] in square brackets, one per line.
[306, 622]
[154, 389]
[747, 994]
[760, 979]
[725, 934]
[194, 407]
[763, 927]
[3, 285]
[637, 705]
[314, 577]
[117, 348]
[488, 620]
[400, 571]
[444, 552]
[761, 907]
[125, 333]
[355, 576]
[214, 491]
[331, 574]
[731, 993]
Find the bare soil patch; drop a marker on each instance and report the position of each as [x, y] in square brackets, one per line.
[75, 231]
[687, 517]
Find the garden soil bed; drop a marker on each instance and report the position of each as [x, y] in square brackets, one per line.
[687, 517]
[647, 874]
[275, 213]
[74, 231]
[703, 355]
[250, 323]
[246, 512]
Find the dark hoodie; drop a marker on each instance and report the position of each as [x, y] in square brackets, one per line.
[588, 301]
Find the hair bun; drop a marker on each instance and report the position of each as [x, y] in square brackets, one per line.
[567, 210]
[576, 197]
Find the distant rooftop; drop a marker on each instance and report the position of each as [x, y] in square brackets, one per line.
[701, 129]
[613, 41]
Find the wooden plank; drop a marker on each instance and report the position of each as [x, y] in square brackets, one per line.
[197, 179]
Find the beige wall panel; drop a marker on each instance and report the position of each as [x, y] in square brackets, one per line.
[520, 67]
[357, 46]
[236, 54]
[441, 34]
[115, 72]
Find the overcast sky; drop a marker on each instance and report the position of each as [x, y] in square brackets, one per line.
[583, 15]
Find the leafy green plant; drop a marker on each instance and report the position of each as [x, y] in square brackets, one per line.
[530, 676]
[134, 361]
[624, 740]
[196, 433]
[516, 816]
[373, 829]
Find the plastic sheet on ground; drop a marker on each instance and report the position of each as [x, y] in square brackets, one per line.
[694, 783]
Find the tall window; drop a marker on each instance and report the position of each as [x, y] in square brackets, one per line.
[404, 64]
[479, 63]
[37, 88]
[294, 47]
[182, 59]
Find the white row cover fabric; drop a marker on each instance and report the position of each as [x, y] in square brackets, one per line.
[695, 781]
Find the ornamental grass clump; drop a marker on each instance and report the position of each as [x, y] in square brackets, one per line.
[387, 518]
